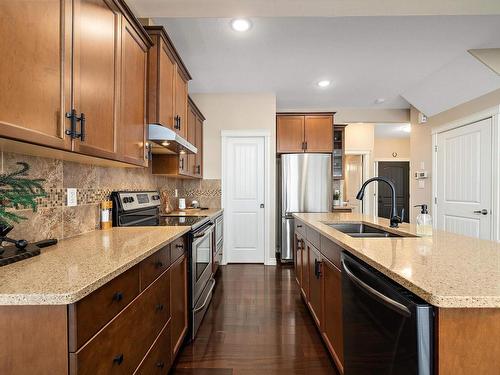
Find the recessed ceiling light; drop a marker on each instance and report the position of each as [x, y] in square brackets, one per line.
[241, 24]
[379, 101]
[324, 83]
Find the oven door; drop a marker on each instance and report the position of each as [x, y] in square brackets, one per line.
[201, 266]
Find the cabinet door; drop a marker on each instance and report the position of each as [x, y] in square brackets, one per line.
[96, 74]
[191, 137]
[305, 269]
[132, 126]
[338, 152]
[166, 87]
[297, 243]
[314, 300]
[332, 305]
[199, 145]
[319, 133]
[181, 100]
[290, 133]
[35, 71]
[178, 302]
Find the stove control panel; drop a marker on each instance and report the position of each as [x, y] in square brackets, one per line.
[133, 200]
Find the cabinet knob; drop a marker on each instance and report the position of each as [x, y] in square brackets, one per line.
[118, 296]
[118, 359]
[160, 364]
[158, 264]
[159, 307]
[179, 246]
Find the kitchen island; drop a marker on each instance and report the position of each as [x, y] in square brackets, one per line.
[458, 275]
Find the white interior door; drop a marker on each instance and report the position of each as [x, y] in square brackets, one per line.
[245, 183]
[464, 180]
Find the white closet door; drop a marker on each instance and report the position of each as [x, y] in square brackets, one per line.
[464, 179]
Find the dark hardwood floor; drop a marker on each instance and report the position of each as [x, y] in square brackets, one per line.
[256, 324]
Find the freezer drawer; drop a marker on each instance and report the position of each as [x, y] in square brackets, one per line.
[287, 232]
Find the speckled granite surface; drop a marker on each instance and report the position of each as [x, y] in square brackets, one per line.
[446, 270]
[75, 267]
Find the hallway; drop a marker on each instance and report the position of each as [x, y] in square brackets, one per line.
[256, 324]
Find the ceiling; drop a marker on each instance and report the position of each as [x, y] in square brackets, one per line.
[394, 130]
[311, 8]
[365, 57]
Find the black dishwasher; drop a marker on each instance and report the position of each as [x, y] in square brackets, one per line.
[387, 329]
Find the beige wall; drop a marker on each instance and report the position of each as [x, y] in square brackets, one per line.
[359, 137]
[385, 147]
[238, 112]
[232, 112]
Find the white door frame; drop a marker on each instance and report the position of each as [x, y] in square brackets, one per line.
[494, 114]
[269, 256]
[367, 173]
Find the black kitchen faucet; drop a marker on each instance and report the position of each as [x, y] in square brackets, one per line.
[395, 219]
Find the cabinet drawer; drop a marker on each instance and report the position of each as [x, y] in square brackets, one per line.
[158, 359]
[154, 265]
[331, 251]
[300, 227]
[313, 237]
[90, 314]
[122, 344]
[178, 247]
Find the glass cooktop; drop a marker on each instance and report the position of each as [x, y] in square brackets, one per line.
[181, 220]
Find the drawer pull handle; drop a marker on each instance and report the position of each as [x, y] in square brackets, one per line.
[160, 364]
[158, 264]
[159, 307]
[299, 226]
[118, 359]
[118, 296]
[179, 246]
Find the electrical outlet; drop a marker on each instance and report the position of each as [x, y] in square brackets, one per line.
[72, 199]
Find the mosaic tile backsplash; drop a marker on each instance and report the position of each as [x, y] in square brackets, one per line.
[54, 219]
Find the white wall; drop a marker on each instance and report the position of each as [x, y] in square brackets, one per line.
[238, 112]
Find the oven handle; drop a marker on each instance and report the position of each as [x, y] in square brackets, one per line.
[395, 305]
[134, 222]
[209, 294]
[202, 234]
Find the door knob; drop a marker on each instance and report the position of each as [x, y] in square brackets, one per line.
[484, 211]
[262, 205]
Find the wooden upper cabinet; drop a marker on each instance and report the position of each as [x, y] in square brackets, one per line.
[199, 145]
[290, 133]
[35, 71]
[302, 132]
[96, 66]
[181, 100]
[318, 133]
[132, 126]
[168, 83]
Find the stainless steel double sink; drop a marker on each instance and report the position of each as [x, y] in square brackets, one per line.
[363, 230]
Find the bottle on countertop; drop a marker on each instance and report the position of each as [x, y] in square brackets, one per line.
[424, 221]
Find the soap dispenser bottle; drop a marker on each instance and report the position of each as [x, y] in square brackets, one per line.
[424, 221]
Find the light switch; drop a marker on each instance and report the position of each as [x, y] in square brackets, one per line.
[72, 199]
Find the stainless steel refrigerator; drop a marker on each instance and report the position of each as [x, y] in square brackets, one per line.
[305, 185]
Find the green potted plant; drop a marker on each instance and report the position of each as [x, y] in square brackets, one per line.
[336, 198]
[17, 191]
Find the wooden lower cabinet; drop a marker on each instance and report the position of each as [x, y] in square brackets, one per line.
[315, 299]
[159, 358]
[134, 324]
[179, 306]
[332, 311]
[319, 279]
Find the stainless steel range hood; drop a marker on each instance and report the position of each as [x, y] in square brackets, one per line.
[165, 141]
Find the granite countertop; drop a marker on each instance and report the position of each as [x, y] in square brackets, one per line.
[446, 270]
[75, 267]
